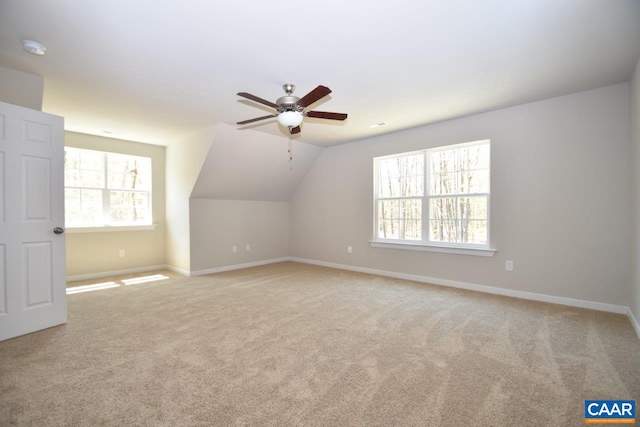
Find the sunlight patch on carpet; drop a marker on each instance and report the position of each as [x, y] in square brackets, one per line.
[94, 287]
[144, 279]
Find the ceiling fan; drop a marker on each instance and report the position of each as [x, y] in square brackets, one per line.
[291, 109]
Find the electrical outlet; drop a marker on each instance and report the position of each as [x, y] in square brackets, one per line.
[509, 265]
[121, 253]
[248, 248]
[234, 249]
[349, 249]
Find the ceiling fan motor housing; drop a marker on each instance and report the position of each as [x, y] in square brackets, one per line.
[288, 103]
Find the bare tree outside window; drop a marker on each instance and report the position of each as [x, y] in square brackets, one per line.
[106, 188]
[456, 180]
[459, 187]
[401, 186]
[84, 181]
[128, 175]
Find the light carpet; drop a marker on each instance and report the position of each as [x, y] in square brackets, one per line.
[291, 344]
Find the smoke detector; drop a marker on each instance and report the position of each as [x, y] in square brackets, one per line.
[33, 48]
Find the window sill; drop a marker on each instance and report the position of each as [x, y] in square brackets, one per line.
[485, 252]
[108, 228]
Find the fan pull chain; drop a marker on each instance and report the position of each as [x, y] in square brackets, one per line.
[290, 153]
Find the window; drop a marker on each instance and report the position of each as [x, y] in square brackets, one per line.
[450, 185]
[106, 189]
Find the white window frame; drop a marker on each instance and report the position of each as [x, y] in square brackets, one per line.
[106, 224]
[425, 244]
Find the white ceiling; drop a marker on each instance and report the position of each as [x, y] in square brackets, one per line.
[157, 70]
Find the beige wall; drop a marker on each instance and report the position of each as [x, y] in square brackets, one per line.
[19, 88]
[635, 194]
[218, 225]
[184, 161]
[559, 199]
[95, 253]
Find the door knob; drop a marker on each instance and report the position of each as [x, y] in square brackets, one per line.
[58, 230]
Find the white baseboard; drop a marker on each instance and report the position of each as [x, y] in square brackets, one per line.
[178, 270]
[175, 269]
[634, 322]
[115, 273]
[478, 288]
[237, 266]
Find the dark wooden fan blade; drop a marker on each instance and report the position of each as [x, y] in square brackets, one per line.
[256, 119]
[314, 95]
[255, 98]
[294, 130]
[326, 115]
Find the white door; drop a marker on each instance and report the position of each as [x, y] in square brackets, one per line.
[32, 258]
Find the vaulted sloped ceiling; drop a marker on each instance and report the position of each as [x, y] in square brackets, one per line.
[250, 165]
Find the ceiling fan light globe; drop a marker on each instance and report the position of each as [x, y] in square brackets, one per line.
[290, 118]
